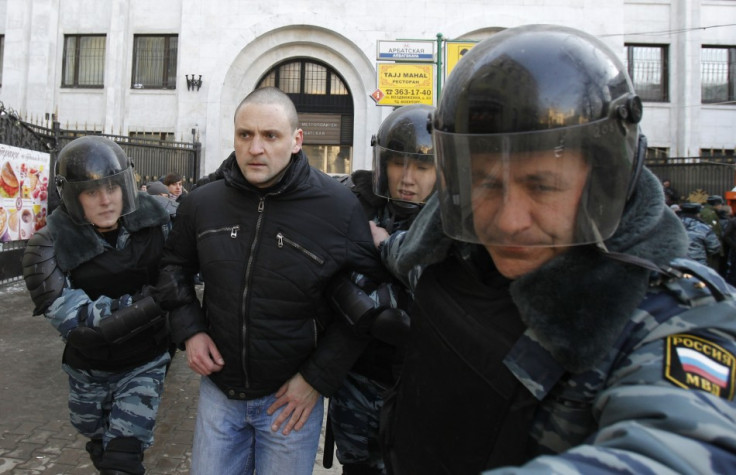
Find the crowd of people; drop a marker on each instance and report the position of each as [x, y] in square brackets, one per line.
[711, 230]
[506, 291]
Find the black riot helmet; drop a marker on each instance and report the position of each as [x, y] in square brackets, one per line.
[403, 147]
[531, 95]
[89, 163]
[714, 200]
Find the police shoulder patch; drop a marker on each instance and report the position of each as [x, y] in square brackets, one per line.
[693, 362]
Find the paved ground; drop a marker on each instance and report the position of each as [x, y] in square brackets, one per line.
[35, 434]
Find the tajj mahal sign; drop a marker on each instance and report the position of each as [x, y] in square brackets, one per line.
[404, 84]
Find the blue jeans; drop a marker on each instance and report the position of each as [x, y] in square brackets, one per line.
[235, 437]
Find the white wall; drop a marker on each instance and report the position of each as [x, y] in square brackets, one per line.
[232, 43]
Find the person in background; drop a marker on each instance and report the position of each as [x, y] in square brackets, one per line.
[403, 178]
[268, 237]
[703, 244]
[160, 193]
[671, 196]
[174, 183]
[560, 329]
[90, 272]
[709, 214]
[729, 246]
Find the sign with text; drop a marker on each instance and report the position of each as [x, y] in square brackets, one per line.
[454, 51]
[404, 84]
[405, 51]
[321, 129]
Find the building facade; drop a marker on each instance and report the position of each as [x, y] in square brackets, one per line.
[178, 68]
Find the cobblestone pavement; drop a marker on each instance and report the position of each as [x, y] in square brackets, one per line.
[35, 434]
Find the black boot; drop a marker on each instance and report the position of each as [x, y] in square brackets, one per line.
[361, 469]
[95, 449]
[123, 455]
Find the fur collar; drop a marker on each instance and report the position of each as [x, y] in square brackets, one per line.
[577, 304]
[75, 244]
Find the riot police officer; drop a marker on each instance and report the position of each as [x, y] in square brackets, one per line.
[556, 330]
[89, 272]
[703, 243]
[402, 179]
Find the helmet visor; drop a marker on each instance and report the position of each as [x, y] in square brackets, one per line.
[403, 176]
[557, 187]
[125, 200]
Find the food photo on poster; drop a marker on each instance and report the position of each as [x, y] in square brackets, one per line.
[24, 182]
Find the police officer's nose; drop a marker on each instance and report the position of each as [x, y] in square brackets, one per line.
[514, 212]
[407, 176]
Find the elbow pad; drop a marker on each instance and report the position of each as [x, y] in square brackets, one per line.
[351, 303]
[44, 280]
[129, 321]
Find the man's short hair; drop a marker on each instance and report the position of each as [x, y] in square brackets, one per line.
[272, 95]
[172, 178]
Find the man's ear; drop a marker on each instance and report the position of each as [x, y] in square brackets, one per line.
[298, 140]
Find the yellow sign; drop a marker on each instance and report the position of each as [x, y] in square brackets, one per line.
[454, 51]
[403, 84]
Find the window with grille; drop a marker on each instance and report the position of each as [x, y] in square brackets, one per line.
[305, 78]
[718, 74]
[657, 154]
[726, 154]
[154, 61]
[647, 66]
[84, 61]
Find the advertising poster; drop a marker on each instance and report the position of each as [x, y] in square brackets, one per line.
[24, 183]
[402, 84]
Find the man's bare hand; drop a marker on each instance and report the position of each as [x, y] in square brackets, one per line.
[379, 233]
[299, 398]
[202, 355]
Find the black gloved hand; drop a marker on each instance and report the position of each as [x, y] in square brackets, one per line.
[146, 291]
[391, 326]
[175, 288]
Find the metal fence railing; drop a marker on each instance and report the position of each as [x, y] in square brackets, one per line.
[697, 176]
[152, 159]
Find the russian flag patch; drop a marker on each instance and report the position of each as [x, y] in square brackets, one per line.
[693, 362]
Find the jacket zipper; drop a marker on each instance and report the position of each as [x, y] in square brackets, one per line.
[233, 230]
[316, 332]
[281, 239]
[246, 290]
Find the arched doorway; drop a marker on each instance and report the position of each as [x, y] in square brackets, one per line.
[325, 107]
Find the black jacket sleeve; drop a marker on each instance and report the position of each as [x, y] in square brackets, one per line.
[340, 347]
[175, 290]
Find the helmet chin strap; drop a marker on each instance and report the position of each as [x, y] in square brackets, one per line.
[633, 260]
[401, 210]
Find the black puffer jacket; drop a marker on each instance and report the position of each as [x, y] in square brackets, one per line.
[266, 256]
